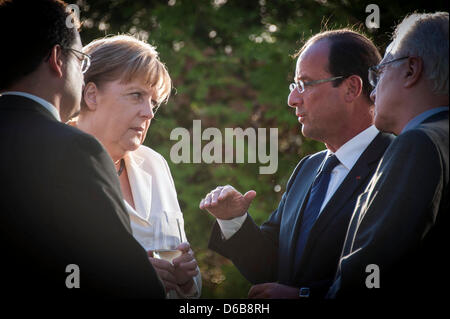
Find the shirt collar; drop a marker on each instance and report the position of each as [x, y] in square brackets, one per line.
[349, 153]
[134, 158]
[50, 107]
[416, 121]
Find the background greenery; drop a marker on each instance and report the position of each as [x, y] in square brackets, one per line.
[231, 65]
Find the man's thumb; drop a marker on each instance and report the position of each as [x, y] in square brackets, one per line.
[249, 196]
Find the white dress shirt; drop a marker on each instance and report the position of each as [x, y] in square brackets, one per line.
[50, 107]
[156, 216]
[348, 154]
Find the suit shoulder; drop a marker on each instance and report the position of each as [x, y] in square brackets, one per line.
[416, 146]
[75, 143]
[415, 138]
[436, 131]
[67, 133]
[85, 140]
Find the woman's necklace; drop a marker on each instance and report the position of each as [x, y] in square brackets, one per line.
[122, 165]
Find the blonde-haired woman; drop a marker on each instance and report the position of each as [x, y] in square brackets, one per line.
[124, 85]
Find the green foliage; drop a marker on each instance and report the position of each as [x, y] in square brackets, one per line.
[231, 65]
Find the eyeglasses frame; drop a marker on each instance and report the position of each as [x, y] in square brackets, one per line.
[86, 57]
[375, 69]
[300, 83]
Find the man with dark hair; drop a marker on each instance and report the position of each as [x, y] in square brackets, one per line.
[396, 242]
[349, 54]
[295, 253]
[64, 229]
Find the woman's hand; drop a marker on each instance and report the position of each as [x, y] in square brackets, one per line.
[186, 268]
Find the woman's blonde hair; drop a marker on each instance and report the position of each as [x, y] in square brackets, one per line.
[125, 57]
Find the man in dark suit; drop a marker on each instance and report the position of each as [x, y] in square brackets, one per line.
[394, 243]
[64, 230]
[295, 253]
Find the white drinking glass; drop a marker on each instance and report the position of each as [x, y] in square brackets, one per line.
[168, 237]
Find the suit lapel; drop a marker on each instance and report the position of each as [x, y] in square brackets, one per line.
[308, 175]
[352, 183]
[141, 186]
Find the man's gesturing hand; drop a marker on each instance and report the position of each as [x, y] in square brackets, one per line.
[225, 202]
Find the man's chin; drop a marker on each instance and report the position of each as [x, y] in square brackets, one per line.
[68, 113]
[381, 125]
[306, 132]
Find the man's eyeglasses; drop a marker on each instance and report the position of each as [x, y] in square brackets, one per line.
[300, 85]
[375, 71]
[85, 59]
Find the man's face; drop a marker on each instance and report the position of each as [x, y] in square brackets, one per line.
[318, 108]
[386, 94]
[73, 82]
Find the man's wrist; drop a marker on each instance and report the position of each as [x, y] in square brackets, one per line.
[230, 226]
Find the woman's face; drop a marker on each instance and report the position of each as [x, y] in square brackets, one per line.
[122, 115]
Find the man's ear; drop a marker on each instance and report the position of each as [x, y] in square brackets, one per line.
[354, 87]
[414, 71]
[90, 96]
[56, 61]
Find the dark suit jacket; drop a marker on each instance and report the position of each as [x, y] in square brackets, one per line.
[61, 204]
[266, 253]
[401, 220]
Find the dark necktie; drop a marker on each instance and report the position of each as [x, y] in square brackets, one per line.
[315, 201]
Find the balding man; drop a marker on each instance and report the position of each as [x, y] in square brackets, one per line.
[295, 253]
